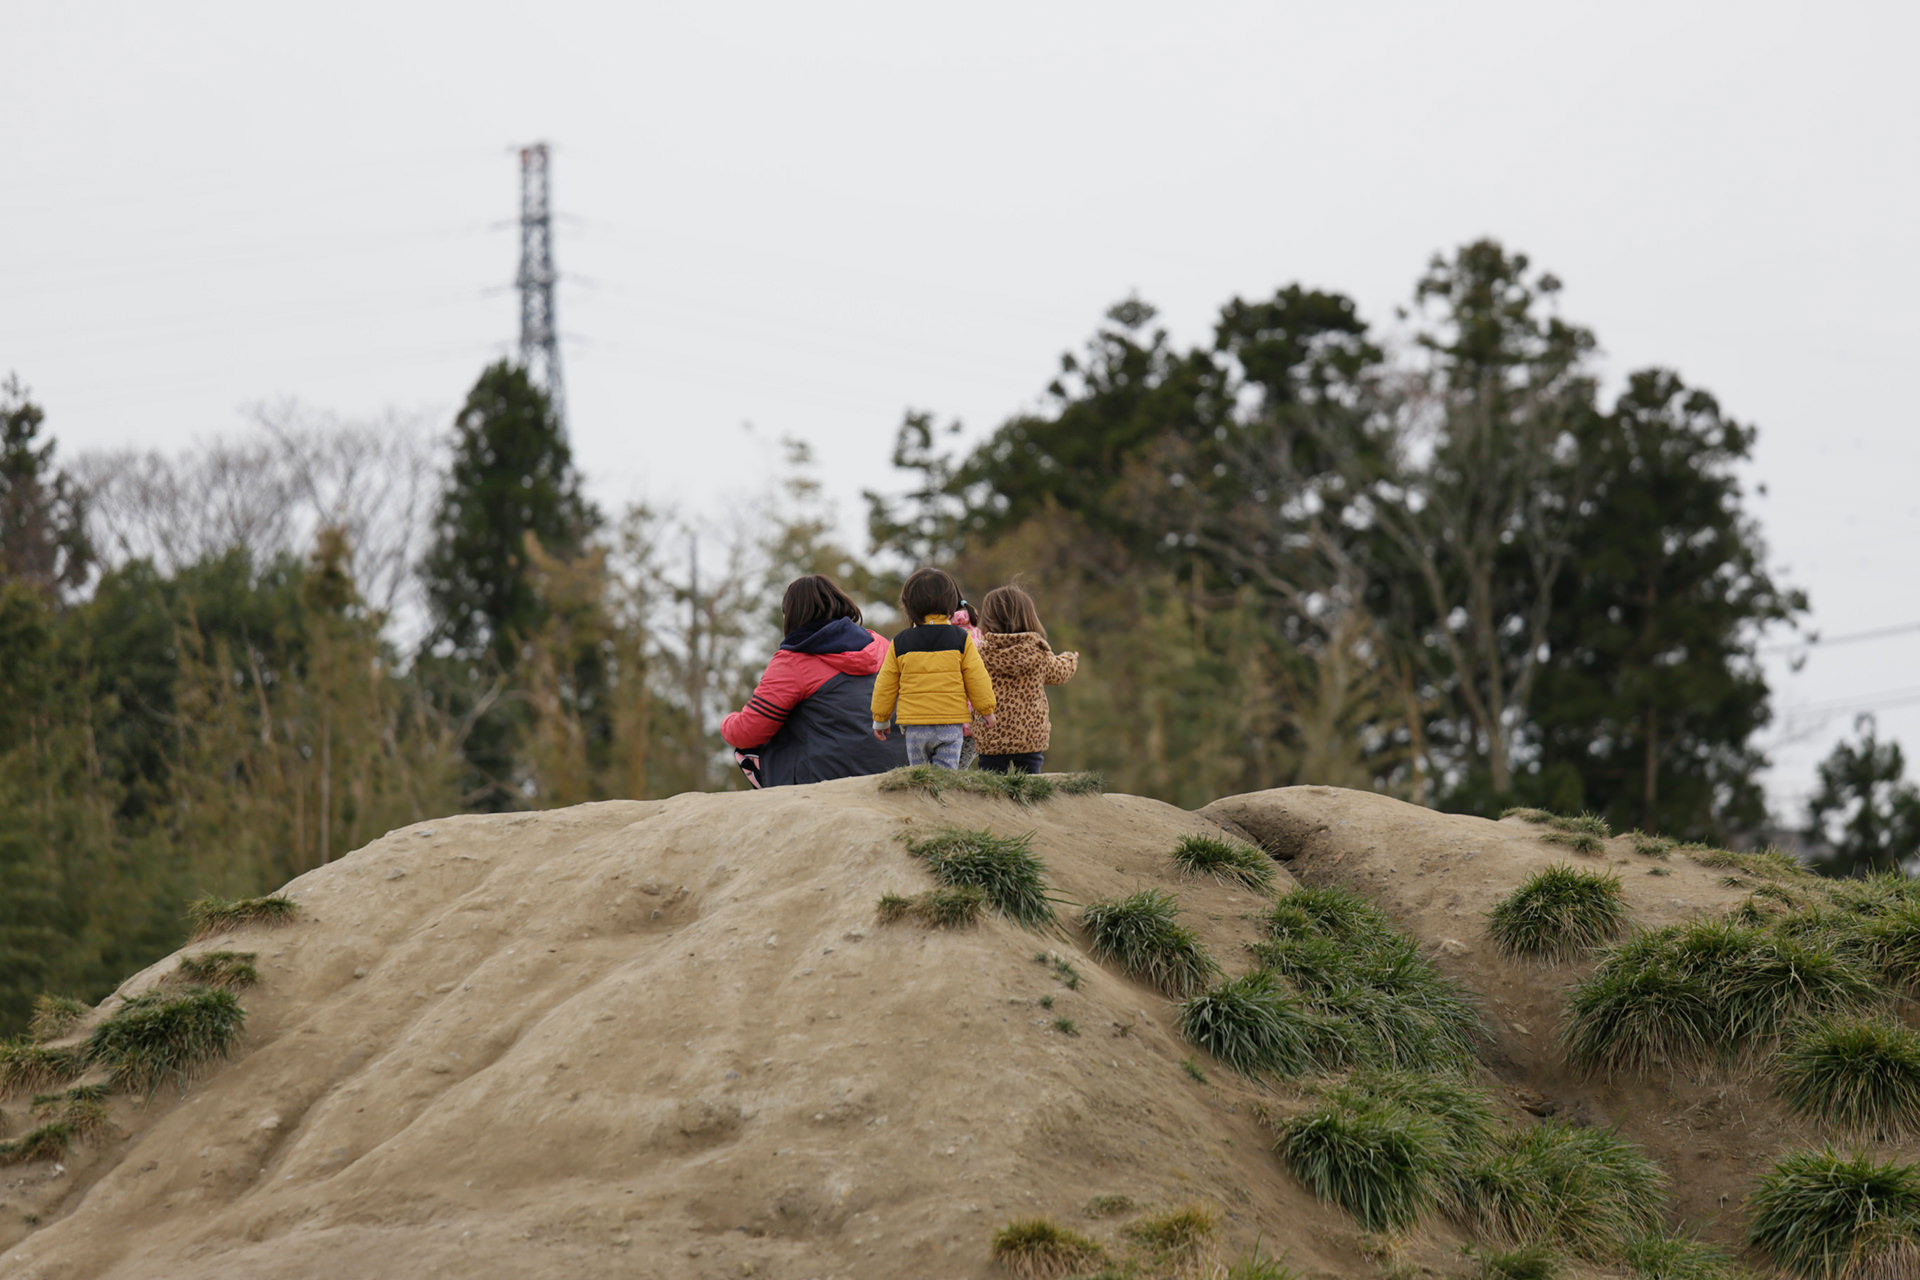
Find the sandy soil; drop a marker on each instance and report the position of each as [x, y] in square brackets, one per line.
[670, 1039]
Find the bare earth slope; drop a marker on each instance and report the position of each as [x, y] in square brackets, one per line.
[670, 1039]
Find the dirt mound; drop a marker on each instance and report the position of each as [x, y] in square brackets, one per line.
[671, 1038]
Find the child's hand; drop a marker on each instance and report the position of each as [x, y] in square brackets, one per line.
[880, 732]
[987, 720]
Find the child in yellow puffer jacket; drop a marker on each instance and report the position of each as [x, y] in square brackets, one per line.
[931, 672]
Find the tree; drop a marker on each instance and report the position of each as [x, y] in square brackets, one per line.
[43, 539]
[1651, 692]
[512, 476]
[1865, 812]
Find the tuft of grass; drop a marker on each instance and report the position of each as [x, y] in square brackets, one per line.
[1528, 1262]
[219, 969]
[158, 1037]
[1142, 935]
[1255, 1027]
[1233, 861]
[1591, 824]
[1651, 846]
[1539, 817]
[1062, 968]
[893, 908]
[1464, 1113]
[1578, 841]
[1890, 941]
[54, 1016]
[1589, 1189]
[1382, 1164]
[1560, 911]
[1766, 864]
[1040, 1249]
[212, 914]
[83, 1109]
[1193, 1070]
[1702, 990]
[1025, 788]
[1066, 1026]
[1861, 1074]
[26, 1066]
[1329, 911]
[1258, 1264]
[1819, 1214]
[48, 1142]
[1176, 1233]
[1661, 1257]
[1109, 1206]
[950, 908]
[1004, 868]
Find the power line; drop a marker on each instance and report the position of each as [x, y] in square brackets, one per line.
[1854, 637]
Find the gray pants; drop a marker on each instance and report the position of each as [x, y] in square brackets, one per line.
[934, 744]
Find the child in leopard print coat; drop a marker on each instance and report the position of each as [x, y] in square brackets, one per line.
[1014, 646]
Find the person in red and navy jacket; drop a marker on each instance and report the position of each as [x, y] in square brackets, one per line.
[807, 720]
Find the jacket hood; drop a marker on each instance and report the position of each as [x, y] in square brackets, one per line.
[1013, 640]
[842, 644]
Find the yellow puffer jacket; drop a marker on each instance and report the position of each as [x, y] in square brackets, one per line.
[930, 674]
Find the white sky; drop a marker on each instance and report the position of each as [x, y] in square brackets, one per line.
[812, 217]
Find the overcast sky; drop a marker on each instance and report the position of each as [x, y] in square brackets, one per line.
[813, 217]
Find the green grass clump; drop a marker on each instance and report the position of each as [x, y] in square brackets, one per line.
[1528, 1262]
[1193, 1070]
[1651, 846]
[1383, 1164]
[1176, 1233]
[1231, 860]
[1767, 864]
[1538, 817]
[1331, 912]
[26, 1066]
[1891, 943]
[1258, 1264]
[219, 969]
[1256, 1028]
[1588, 1189]
[1708, 989]
[1578, 841]
[945, 908]
[1109, 1206]
[1591, 824]
[1002, 867]
[1661, 1257]
[54, 1016]
[1079, 784]
[1141, 934]
[1026, 788]
[1039, 1249]
[1861, 1074]
[213, 914]
[83, 1109]
[48, 1142]
[1464, 1113]
[1821, 1215]
[1560, 911]
[158, 1037]
[893, 908]
[1062, 968]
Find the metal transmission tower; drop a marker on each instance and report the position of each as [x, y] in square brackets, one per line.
[539, 335]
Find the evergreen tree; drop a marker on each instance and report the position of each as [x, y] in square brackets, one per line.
[1865, 813]
[43, 539]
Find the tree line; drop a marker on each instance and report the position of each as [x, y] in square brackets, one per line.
[1441, 562]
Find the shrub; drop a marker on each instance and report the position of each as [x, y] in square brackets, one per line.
[220, 969]
[26, 1066]
[1231, 860]
[155, 1037]
[1140, 934]
[1589, 1189]
[54, 1016]
[1037, 1249]
[1255, 1028]
[212, 914]
[1858, 1073]
[1002, 867]
[1559, 911]
[1820, 1215]
[1382, 1164]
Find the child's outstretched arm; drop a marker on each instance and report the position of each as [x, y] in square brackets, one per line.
[1061, 666]
[886, 692]
[973, 672]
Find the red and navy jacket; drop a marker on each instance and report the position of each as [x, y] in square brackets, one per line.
[809, 714]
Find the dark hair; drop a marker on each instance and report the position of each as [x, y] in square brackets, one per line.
[812, 600]
[1009, 609]
[927, 592]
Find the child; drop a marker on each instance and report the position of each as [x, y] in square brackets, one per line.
[1018, 657]
[931, 671]
[963, 617]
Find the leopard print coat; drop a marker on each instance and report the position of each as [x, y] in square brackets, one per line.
[1022, 665]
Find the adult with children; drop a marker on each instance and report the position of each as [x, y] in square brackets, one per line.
[807, 718]
[931, 673]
